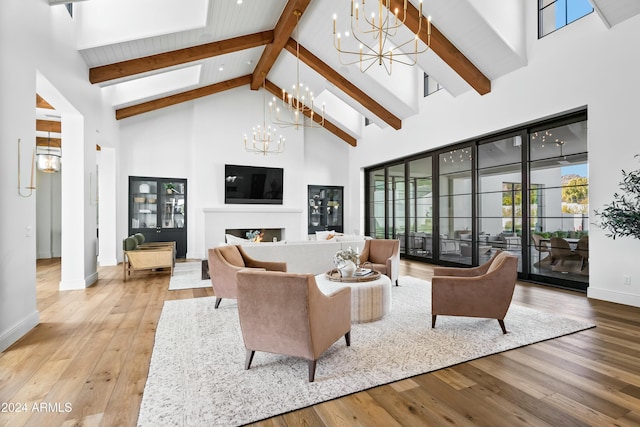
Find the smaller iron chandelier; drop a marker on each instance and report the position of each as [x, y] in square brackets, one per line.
[265, 140]
[297, 104]
[49, 159]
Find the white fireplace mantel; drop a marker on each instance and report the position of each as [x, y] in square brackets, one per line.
[219, 219]
[251, 209]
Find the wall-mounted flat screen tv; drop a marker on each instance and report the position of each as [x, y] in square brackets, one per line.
[252, 185]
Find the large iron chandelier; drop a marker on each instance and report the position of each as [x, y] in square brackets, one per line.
[377, 37]
[295, 103]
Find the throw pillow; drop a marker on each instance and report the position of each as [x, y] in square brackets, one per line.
[130, 243]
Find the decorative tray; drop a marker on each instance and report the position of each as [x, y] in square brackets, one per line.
[334, 276]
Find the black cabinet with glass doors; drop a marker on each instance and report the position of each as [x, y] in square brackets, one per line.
[158, 210]
[325, 208]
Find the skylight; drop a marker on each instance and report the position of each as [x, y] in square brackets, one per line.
[103, 22]
[156, 84]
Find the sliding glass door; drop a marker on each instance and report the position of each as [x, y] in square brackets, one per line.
[525, 191]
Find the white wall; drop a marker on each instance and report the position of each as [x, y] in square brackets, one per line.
[569, 69]
[37, 38]
[195, 140]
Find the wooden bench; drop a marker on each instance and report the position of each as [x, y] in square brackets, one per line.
[148, 256]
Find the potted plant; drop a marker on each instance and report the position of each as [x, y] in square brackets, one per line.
[621, 217]
[170, 187]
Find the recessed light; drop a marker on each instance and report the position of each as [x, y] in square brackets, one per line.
[221, 68]
[239, 1]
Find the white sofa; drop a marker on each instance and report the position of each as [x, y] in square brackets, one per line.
[311, 256]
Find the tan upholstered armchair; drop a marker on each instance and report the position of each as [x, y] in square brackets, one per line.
[483, 291]
[384, 255]
[224, 264]
[286, 313]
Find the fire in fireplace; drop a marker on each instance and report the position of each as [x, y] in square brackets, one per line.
[257, 234]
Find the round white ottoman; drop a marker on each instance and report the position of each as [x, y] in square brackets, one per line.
[370, 301]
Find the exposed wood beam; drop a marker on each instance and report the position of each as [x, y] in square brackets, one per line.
[48, 126]
[41, 103]
[328, 125]
[442, 47]
[178, 98]
[344, 84]
[177, 57]
[281, 33]
[44, 142]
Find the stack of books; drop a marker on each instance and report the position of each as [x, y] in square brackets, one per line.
[363, 272]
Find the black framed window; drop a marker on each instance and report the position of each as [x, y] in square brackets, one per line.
[555, 14]
[430, 85]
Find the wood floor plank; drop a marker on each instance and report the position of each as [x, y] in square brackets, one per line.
[470, 405]
[454, 379]
[416, 406]
[93, 347]
[568, 384]
[361, 410]
[512, 377]
[517, 396]
[583, 412]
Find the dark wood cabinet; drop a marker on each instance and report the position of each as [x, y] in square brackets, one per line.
[325, 208]
[158, 210]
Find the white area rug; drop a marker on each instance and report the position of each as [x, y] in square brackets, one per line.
[187, 275]
[197, 375]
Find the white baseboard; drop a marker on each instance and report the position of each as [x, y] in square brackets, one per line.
[91, 279]
[19, 330]
[70, 285]
[613, 296]
[79, 284]
[104, 262]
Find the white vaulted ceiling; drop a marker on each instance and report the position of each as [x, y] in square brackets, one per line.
[487, 34]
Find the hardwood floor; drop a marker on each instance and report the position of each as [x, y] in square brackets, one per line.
[86, 364]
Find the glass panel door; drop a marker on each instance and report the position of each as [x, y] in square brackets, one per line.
[172, 202]
[456, 205]
[396, 202]
[559, 204]
[500, 198]
[420, 182]
[376, 206]
[144, 206]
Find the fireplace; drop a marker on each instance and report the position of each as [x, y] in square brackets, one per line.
[267, 234]
[220, 220]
